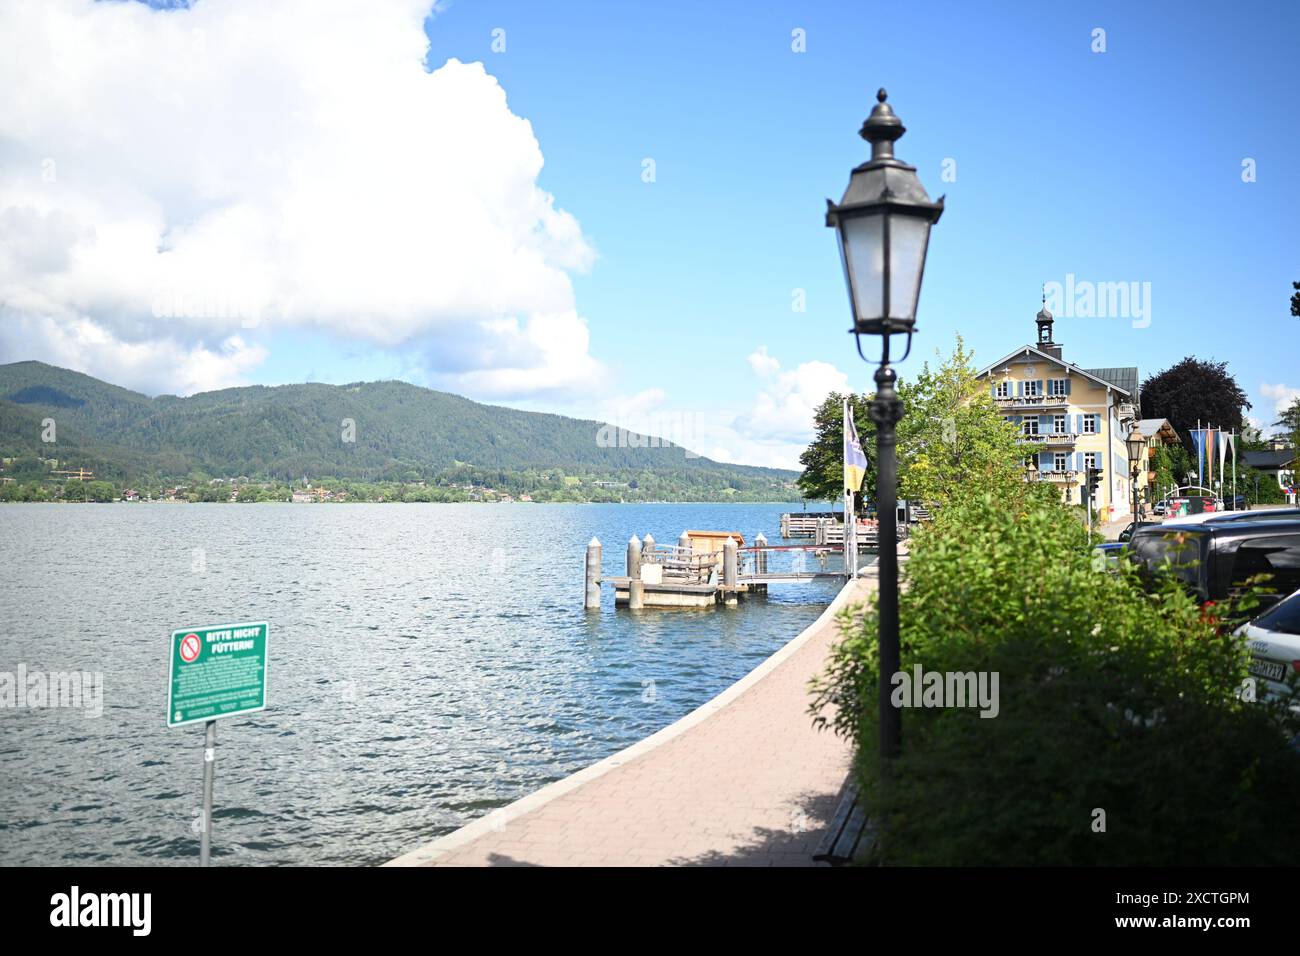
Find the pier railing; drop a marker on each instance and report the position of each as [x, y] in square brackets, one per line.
[696, 572]
[682, 564]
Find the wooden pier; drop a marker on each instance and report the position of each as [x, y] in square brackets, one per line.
[703, 569]
[810, 524]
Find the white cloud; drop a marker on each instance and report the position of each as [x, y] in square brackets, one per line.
[80, 344]
[176, 180]
[764, 365]
[786, 402]
[1282, 396]
[772, 432]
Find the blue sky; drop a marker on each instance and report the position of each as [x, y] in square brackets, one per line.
[1115, 166]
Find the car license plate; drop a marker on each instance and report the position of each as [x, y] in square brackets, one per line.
[1269, 670]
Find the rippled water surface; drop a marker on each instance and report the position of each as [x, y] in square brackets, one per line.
[428, 664]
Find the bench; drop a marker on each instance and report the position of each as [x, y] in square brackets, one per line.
[849, 832]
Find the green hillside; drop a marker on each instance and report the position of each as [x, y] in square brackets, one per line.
[402, 433]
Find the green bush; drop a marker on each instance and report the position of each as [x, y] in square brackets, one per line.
[1110, 698]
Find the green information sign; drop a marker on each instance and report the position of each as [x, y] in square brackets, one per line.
[216, 672]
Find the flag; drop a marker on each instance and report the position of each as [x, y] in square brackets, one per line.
[1198, 444]
[855, 461]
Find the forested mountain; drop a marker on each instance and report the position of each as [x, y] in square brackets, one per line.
[402, 432]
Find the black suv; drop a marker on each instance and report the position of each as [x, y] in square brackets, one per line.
[1216, 558]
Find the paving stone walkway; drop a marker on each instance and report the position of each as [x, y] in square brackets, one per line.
[744, 780]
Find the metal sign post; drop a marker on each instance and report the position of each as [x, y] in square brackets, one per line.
[215, 672]
[209, 771]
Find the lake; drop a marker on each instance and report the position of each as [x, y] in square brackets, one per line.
[428, 664]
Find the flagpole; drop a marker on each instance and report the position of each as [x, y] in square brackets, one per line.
[850, 526]
[1200, 456]
[1209, 459]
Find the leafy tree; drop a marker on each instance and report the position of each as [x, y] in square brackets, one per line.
[1290, 421]
[952, 436]
[100, 491]
[1259, 487]
[1109, 695]
[823, 459]
[1295, 298]
[1193, 391]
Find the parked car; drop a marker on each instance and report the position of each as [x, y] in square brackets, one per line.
[1106, 556]
[1269, 514]
[1273, 639]
[1132, 526]
[1215, 559]
[1160, 508]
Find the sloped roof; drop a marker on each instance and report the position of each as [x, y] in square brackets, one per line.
[1125, 379]
[1092, 374]
[1269, 459]
[1152, 426]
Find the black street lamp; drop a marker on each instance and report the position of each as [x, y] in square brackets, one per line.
[883, 227]
[1136, 445]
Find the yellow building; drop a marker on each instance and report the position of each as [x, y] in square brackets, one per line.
[1080, 417]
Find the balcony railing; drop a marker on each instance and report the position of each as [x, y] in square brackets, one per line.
[1049, 438]
[1058, 438]
[1033, 401]
[1067, 474]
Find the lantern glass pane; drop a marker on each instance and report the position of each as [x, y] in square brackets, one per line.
[860, 250]
[1135, 446]
[907, 239]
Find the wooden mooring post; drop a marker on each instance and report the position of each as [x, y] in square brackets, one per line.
[635, 587]
[592, 597]
[634, 557]
[730, 571]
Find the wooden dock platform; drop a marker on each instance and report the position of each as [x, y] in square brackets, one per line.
[704, 568]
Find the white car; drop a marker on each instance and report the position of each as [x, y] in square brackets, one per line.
[1273, 639]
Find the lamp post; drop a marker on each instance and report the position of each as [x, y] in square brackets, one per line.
[1032, 471]
[883, 227]
[1136, 446]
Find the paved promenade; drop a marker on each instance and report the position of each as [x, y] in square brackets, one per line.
[744, 780]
